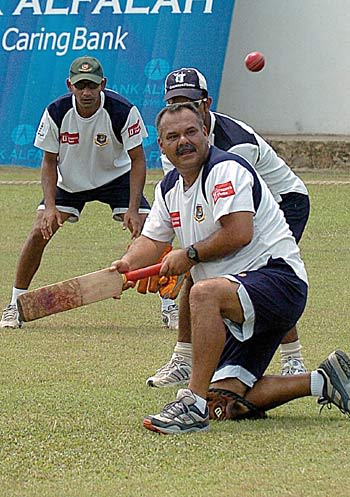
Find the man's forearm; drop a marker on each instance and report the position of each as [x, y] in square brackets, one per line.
[143, 252]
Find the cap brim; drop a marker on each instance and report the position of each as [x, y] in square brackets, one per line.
[192, 93]
[86, 77]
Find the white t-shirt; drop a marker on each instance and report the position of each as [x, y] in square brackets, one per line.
[226, 184]
[91, 151]
[235, 136]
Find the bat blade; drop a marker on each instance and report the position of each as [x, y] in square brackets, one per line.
[76, 292]
[69, 294]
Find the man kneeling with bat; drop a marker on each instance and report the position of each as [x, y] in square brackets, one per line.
[247, 274]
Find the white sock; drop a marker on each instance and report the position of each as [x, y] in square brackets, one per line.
[200, 403]
[292, 349]
[16, 292]
[316, 384]
[166, 303]
[184, 349]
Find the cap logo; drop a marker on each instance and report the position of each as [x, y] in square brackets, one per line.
[85, 67]
[180, 77]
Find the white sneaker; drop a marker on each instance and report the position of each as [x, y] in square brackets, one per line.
[180, 416]
[292, 366]
[170, 317]
[176, 372]
[335, 371]
[11, 318]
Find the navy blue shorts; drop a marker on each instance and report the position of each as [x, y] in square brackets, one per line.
[296, 209]
[273, 298]
[116, 194]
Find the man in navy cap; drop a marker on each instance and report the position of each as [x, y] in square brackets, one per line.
[189, 85]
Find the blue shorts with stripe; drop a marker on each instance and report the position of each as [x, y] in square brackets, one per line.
[273, 298]
[296, 209]
[116, 194]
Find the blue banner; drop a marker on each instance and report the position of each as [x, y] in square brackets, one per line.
[137, 41]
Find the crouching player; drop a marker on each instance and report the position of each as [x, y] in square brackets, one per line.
[247, 274]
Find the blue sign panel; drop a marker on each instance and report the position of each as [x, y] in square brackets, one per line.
[137, 41]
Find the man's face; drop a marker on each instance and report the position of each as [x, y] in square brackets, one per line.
[183, 140]
[87, 94]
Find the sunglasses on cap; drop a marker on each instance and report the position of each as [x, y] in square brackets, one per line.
[196, 103]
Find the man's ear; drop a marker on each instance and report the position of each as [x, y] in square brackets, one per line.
[103, 83]
[160, 143]
[207, 104]
[69, 84]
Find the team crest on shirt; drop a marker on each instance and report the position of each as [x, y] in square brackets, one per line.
[101, 139]
[222, 190]
[199, 215]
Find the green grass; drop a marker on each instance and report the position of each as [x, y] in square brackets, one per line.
[72, 386]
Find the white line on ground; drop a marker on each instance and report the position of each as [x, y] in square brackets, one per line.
[311, 182]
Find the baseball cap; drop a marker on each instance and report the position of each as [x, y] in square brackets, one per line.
[186, 82]
[87, 68]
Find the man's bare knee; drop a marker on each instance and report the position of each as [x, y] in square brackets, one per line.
[35, 237]
[201, 292]
[217, 293]
[35, 242]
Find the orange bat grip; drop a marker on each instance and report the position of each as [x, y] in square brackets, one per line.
[144, 272]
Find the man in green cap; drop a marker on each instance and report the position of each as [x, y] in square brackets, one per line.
[92, 144]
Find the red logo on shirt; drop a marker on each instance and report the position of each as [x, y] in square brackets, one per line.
[223, 190]
[134, 129]
[69, 138]
[175, 219]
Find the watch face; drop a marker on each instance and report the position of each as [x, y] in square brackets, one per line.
[191, 253]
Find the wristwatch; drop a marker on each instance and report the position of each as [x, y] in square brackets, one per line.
[192, 254]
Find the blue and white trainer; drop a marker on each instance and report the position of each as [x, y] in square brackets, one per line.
[170, 317]
[293, 366]
[176, 372]
[335, 371]
[180, 416]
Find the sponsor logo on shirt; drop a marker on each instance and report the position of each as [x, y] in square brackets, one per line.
[101, 139]
[222, 190]
[199, 215]
[175, 219]
[69, 138]
[134, 129]
[41, 128]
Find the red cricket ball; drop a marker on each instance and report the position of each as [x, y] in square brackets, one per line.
[254, 61]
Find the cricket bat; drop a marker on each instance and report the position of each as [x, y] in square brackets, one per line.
[78, 291]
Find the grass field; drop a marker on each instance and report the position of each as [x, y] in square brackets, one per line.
[72, 386]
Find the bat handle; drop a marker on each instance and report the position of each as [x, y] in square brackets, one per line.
[144, 272]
